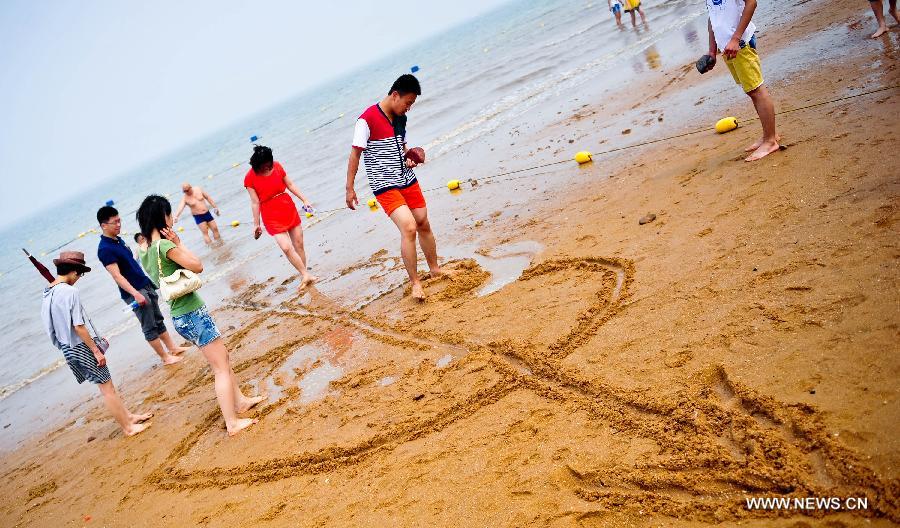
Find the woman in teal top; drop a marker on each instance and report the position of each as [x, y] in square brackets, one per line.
[189, 312]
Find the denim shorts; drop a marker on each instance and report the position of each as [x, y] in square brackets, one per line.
[197, 327]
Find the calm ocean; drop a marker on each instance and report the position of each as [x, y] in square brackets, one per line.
[476, 77]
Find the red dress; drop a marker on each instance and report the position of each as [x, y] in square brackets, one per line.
[275, 204]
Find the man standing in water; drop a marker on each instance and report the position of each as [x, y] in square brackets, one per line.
[615, 7]
[134, 286]
[195, 198]
[380, 136]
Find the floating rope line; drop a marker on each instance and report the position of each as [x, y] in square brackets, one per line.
[503, 176]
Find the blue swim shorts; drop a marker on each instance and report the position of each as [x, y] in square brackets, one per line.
[205, 217]
[616, 8]
[197, 327]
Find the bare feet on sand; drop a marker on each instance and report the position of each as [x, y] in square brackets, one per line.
[248, 403]
[140, 418]
[418, 293]
[134, 429]
[764, 150]
[438, 273]
[240, 425]
[882, 29]
[759, 142]
[177, 351]
[171, 360]
[308, 281]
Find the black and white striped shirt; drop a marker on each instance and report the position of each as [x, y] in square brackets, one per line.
[383, 144]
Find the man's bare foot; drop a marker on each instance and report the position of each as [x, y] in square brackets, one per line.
[177, 351]
[308, 281]
[759, 142]
[140, 418]
[136, 428]
[764, 150]
[240, 425]
[882, 29]
[248, 403]
[418, 293]
[171, 360]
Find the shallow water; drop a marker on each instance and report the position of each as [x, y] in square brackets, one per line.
[285, 375]
[536, 52]
[443, 361]
[506, 263]
[315, 384]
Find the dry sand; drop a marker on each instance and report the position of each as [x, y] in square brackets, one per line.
[744, 343]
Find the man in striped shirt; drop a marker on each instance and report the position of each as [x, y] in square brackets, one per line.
[380, 138]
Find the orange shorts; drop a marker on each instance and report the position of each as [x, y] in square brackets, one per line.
[411, 197]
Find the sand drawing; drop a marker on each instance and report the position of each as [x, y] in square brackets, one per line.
[715, 440]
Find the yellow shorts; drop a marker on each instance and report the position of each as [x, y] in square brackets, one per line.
[632, 4]
[746, 69]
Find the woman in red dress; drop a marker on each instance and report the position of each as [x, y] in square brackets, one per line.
[268, 186]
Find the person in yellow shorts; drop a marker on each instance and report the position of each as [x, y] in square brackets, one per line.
[634, 5]
[730, 23]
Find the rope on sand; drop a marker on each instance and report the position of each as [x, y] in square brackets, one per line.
[504, 176]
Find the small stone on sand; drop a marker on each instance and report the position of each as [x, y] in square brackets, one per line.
[646, 219]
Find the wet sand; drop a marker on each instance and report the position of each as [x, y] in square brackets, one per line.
[744, 343]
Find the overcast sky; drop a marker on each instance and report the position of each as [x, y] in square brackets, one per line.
[90, 89]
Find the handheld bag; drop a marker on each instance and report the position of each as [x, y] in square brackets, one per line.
[179, 283]
[101, 342]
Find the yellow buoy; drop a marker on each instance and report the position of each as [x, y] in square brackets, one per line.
[373, 203]
[453, 184]
[181, 229]
[308, 215]
[235, 165]
[584, 157]
[81, 235]
[235, 223]
[726, 125]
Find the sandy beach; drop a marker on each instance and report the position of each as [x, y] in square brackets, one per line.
[578, 368]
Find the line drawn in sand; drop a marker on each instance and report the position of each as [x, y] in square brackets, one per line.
[719, 440]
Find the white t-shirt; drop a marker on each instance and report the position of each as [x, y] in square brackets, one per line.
[724, 16]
